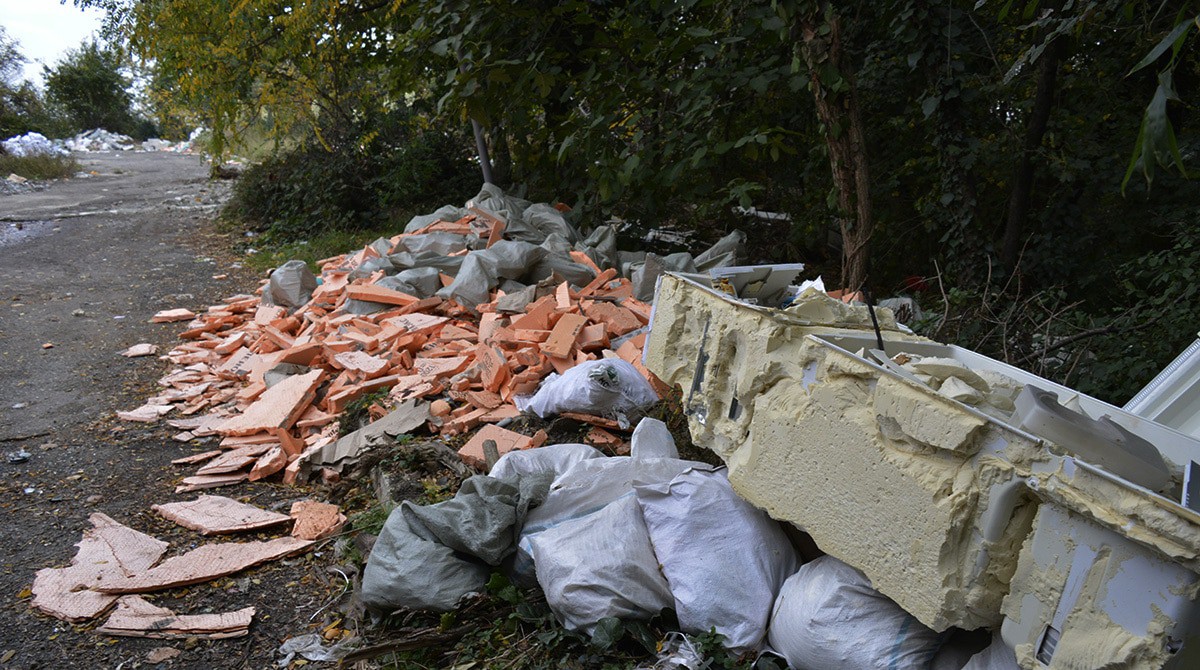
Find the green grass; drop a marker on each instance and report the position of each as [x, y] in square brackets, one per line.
[271, 254]
[38, 168]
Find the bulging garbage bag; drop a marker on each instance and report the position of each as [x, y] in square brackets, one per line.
[652, 439]
[430, 557]
[31, 144]
[585, 488]
[704, 535]
[600, 566]
[607, 386]
[555, 459]
[291, 285]
[445, 213]
[406, 569]
[481, 271]
[828, 617]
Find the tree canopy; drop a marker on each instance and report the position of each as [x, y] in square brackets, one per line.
[1012, 149]
[90, 88]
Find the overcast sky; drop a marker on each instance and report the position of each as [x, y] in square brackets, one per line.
[46, 29]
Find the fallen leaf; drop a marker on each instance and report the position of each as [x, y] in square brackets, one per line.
[160, 654]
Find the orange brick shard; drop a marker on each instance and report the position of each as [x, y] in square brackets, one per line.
[372, 293]
[562, 338]
[278, 407]
[506, 441]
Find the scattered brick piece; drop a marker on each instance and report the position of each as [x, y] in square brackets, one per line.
[202, 564]
[172, 315]
[108, 550]
[143, 349]
[506, 441]
[135, 617]
[372, 293]
[201, 482]
[617, 319]
[232, 461]
[599, 437]
[278, 407]
[599, 421]
[218, 515]
[316, 520]
[562, 338]
[268, 464]
[197, 458]
[145, 413]
[434, 368]
[357, 361]
[485, 399]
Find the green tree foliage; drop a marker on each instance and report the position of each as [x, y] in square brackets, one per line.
[23, 108]
[983, 147]
[89, 86]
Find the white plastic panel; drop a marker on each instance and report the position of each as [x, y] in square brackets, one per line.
[1173, 397]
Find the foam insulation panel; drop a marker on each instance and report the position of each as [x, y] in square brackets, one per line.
[929, 497]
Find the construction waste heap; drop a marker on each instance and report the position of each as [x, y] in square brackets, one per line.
[885, 501]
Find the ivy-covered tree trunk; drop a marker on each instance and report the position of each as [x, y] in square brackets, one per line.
[1019, 198]
[820, 44]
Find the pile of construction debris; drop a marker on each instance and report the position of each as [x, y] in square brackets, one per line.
[31, 144]
[95, 140]
[450, 312]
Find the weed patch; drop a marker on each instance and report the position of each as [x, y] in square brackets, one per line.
[39, 167]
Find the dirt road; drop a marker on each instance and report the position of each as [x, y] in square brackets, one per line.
[83, 266]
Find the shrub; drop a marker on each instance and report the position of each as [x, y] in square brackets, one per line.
[309, 190]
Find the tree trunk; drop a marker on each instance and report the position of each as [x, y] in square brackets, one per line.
[1022, 186]
[837, 108]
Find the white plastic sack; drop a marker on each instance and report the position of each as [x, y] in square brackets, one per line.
[601, 566]
[652, 439]
[584, 489]
[608, 386]
[554, 458]
[827, 617]
[724, 558]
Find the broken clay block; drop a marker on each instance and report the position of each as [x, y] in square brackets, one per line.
[278, 407]
[143, 349]
[316, 520]
[202, 564]
[172, 315]
[135, 617]
[218, 515]
[107, 550]
[506, 441]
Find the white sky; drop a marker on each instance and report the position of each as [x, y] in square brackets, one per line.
[46, 29]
